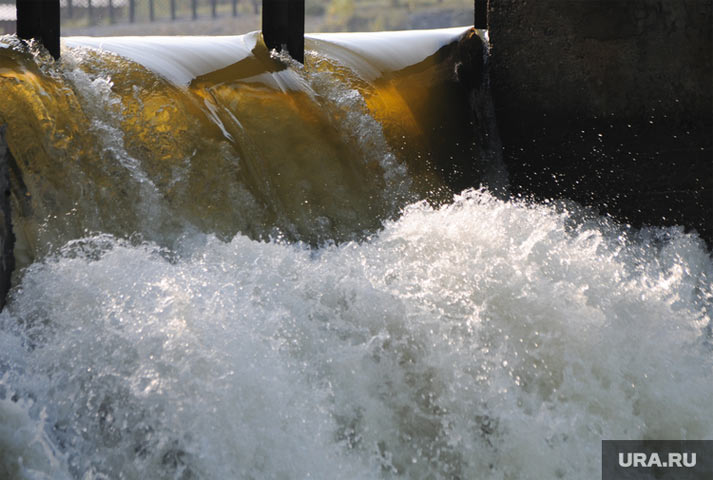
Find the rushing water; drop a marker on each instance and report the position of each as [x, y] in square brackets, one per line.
[236, 267]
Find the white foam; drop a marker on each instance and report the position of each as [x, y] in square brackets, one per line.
[26, 452]
[486, 339]
[176, 58]
[372, 54]
[181, 59]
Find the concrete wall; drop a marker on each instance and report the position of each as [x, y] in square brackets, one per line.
[608, 102]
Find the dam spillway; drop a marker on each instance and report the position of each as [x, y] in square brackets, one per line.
[215, 134]
[233, 266]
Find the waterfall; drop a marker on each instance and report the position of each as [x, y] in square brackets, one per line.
[232, 265]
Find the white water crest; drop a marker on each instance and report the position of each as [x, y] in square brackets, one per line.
[181, 59]
[483, 339]
[178, 59]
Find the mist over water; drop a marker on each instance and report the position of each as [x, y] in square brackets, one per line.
[478, 338]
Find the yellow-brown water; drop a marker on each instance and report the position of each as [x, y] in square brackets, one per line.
[102, 143]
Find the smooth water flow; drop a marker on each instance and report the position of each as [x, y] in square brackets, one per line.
[242, 268]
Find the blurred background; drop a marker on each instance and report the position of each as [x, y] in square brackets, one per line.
[230, 17]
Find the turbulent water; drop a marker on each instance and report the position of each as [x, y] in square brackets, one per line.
[252, 144]
[238, 267]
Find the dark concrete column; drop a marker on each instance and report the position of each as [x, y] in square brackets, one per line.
[481, 14]
[7, 238]
[39, 19]
[283, 26]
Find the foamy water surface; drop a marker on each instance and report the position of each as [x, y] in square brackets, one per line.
[484, 339]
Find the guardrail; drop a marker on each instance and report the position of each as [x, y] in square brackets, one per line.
[130, 11]
[84, 13]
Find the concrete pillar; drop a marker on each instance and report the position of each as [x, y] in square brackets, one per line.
[283, 26]
[39, 19]
[7, 238]
[480, 19]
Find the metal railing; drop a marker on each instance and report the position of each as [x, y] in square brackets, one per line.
[86, 13]
[95, 12]
[80, 17]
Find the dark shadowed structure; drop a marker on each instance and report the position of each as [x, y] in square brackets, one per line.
[7, 238]
[283, 26]
[39, 19]
[608, 103]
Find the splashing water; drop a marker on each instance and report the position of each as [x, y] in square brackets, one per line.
[481, 338]
[260, 145]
